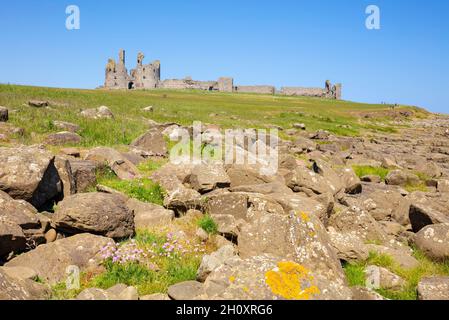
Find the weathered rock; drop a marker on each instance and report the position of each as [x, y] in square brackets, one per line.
[102, 112]
[50, 261]
[379, 277]
[401, 178]
[303, 179]
[68, 182]
[226, 225]
[122, 167]
[211, 262]
[51, 235]
[266, 278]
[12, 238]
[387, 205]
[84, 174]
[152, 142]
[427, 209]
[148, 109]
[21, 273]
[63, 138]
[358, 222]
[201, 234]
[13, 288]
[348, 246]
[433, 288]
[433, 240]
[241, 175]
[371, 178]
[148, 215]
[29, 173]
[443, 186]
[155, 296]
[351, 181]
[4, 114]
[98, 213]
[301, 126]
[234, 204]
[403, 257]
[205, 178]
[188, 290]
[67, 126]
[365, 294]
[95, 294]
[38, 103]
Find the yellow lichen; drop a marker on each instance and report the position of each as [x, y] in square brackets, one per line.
[287, 281]
[304, 216]
[231, 279]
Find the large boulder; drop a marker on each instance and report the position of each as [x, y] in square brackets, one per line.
[305, 180]
[67, 126]
[13, 288]
[433, 288]
[29, 173]
[433, 240]
[427, 209]
[357, 221]
[98, 213]
[188, 290]
[148, 215]
[241, 175]
[152, 143]
[18, 222]
[51, 261]
[299, 237]
[207, 177]
[401, 178]
[122, 167]
[211, 262]
[268, 277]
[351, 181]
[84, 174]
[348, 246]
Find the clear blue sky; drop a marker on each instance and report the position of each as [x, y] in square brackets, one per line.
[289, 42]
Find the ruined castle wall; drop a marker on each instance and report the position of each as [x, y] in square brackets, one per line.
[116, 73]
[188, 84]
[225, 84]
[256, 89]
[300, 91]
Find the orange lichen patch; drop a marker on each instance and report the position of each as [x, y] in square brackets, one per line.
[304, 216]
[231, 279]
[288, 279]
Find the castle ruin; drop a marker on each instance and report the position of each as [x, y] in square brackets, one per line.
[148, 76]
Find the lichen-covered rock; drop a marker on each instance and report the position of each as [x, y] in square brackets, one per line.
[401, 178]
[29, 173]
[381, 278]
[433, 240]
[211, 262]
[348, 246]
[122, 167]
[266, 277]
[207, 177]
[188, 290]
[351, 181]
[152, 143]
[148, 215]
[433, 288]
[84, 174]
[359, 222]
[51, 261]
[63, 138]
[427, 209]
[98, 213]
[13, 288]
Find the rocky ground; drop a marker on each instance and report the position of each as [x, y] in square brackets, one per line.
[344, 218]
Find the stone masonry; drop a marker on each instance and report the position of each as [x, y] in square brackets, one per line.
[148, 76]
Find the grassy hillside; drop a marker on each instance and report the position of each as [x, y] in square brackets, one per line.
[184, 107]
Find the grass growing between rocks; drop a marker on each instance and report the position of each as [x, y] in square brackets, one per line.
[143, 189]
[362, 171]
[208, 224]
[355, 273]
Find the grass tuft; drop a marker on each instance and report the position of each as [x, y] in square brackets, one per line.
[208, 224]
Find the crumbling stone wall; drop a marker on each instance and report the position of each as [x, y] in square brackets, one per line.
[330, 91]
[256, 89]
[188, 83]
[225, 84]
[146, 76]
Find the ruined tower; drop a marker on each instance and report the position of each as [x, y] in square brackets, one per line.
[116, 73]
[146, 76]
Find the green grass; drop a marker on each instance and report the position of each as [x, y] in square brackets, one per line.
[142, 189]
[361, 171]
[208, 224]
[356, 276]
[183, 107]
